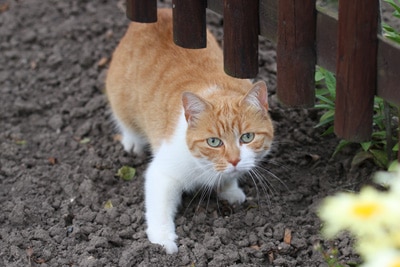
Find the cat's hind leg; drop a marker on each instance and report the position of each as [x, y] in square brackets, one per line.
[132, 141]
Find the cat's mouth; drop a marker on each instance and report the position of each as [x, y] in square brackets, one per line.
[235, 170]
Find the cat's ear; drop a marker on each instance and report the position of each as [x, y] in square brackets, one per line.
[258, 95]
[193, 105]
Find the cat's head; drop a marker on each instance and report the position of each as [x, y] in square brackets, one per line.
[229, 133]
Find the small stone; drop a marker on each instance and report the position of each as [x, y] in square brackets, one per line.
[56, 122]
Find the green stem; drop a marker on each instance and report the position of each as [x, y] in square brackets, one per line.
[388, 127]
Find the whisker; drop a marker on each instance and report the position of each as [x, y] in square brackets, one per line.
[276, 163]
[274, 176]
[266, 186]
[218, 186]
[251, 173]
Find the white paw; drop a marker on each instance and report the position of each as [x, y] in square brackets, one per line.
[233, 195]
[167, 240]
[127, 143]
[132, 146]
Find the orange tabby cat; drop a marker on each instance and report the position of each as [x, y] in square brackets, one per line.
[205, 128]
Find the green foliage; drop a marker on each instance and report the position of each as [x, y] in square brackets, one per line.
[330, 255]
[389, 31]
[126, 173]
[377, 148]
[326, 94]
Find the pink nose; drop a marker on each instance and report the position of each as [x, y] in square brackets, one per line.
[234, 162]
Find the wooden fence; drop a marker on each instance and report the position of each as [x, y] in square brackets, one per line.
[348, 44]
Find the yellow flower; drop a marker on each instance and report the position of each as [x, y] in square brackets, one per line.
[365, 214]
[388, 258]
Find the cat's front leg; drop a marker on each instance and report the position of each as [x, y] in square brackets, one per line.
[229, 190]
[162, 198]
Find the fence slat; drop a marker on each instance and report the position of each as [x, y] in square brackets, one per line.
[388, 66]
[189, 19]
[142, 10]
[241, 29]
[356, 68]
[296, 55]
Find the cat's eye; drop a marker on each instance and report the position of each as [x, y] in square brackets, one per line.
[247, 138]
[214, 142]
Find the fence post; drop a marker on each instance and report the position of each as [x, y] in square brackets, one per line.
[296, 57]
[356, 68]
[142, 10]
[189, 19]
[241, 29]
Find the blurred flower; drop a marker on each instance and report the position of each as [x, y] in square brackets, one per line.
[388, 258]
[368, 247]
[391, 180]
[372, 216]
[361, 214]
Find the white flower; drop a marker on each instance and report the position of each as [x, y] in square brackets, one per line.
[365, 214]
[369, 247]
[388, 258]
[391, 180]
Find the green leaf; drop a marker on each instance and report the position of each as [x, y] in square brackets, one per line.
[340, 146]
[360, 157]
[394, 5]
[396, 147]
[366, 145]
[325, 122]
[387, 27]
[324, 106]
[108, 205]
[330, 81]
[126, 173]
[379, 135]
[328, 131]
[326, 100]
[393, 166]
[85, 140]
[321, 91]
[329, 115]
[319, 76]
[21, 142]
[380, 158]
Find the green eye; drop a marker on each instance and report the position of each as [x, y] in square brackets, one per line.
[214, 142]
[247, 138]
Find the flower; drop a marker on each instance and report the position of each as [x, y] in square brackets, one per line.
[387, 258]
[369, 247]
[391, 180]
[372, 216]
[365, 214]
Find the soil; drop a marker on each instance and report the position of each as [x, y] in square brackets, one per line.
[62, 203]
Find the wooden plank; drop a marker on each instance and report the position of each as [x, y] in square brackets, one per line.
[189, 20]
[269, 19]
[296, 56]
[142, 10]
[326, 42]
[388, 71]
[216, 5]
[241, 29]
[356, 68]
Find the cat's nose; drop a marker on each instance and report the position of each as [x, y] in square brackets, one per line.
[234, 162]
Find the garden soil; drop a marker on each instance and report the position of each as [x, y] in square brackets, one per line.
[61, 202]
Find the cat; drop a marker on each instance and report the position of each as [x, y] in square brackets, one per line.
[205, 128]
